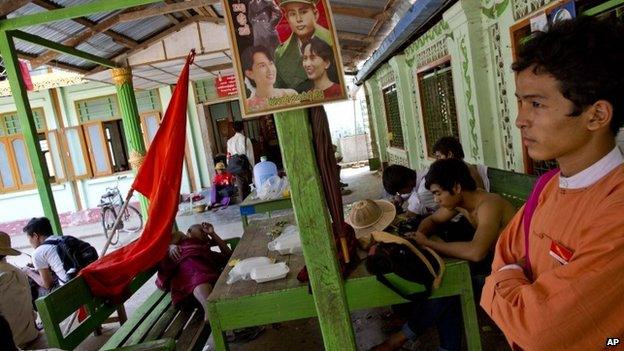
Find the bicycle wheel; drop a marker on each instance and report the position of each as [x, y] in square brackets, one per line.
[108, 220]
[132, 220]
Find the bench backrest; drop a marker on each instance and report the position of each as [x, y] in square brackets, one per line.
[61, 304]
[515, 187]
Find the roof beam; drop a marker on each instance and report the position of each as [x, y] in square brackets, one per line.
[119, 38]
[62, 48]
[71, 12]
[167, 32]
[355, 37]
[73, 42]
[62, 65]
[359, 12]
[219, 67]
[7, 7]
[169, 8]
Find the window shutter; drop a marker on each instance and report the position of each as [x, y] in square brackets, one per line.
[96, 143]
[75, 145]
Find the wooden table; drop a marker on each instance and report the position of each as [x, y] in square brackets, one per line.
[252, 205]
[247, 303]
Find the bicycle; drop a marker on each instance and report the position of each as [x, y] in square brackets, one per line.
[111, 203]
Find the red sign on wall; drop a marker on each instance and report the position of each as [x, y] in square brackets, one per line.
[226, 86]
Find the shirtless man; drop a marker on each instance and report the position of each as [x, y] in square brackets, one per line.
[455, 191]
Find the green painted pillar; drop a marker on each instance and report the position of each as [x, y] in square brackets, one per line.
[295, 135]
[29, 131]
[122, 77]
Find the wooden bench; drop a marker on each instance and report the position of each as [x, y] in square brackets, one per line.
[515, 187]
[252, 205]
[155, 325]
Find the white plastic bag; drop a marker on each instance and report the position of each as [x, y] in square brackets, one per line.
[269, 272]
[273, 188]
[288, 242]
[242, 270]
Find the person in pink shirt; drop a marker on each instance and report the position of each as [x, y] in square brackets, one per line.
[566, 293]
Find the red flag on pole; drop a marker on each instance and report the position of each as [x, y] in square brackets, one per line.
[26, 75]
[159, 180]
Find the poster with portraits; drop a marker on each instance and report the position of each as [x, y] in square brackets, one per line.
[285, 54]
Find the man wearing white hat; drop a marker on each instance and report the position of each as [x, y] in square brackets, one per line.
[15, 298]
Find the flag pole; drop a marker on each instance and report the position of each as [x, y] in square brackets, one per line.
[117, 221]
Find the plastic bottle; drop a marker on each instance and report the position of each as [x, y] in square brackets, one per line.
[263, 170]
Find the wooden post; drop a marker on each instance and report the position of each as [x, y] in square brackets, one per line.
[122, 77]
[29, 131]
[295, 135]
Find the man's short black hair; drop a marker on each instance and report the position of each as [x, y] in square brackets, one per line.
[585, 55]
[447, 145]
[239, 126]
[39, 225]
[396, 177]
[448, 172]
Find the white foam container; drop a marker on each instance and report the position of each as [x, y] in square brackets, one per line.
[269, 272]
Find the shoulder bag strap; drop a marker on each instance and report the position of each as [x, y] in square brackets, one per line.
[415, 297]
[529, 209]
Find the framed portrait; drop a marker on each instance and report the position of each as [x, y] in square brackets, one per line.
[285, 54]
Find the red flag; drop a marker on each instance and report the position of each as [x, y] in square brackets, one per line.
[26, 75]
[159, 180]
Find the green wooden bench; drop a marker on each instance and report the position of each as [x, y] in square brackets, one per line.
[515, 187]
[155, 325]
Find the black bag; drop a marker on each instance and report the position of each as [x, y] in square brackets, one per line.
[238, 164]
[74, 253]
[400, 259]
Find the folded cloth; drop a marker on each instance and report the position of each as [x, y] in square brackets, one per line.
[197, 265]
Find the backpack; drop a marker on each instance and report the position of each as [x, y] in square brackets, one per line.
[393, 254]
[238, 164]
[74, 253]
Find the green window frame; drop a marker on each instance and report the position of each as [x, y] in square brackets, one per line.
[438, 107]
[393, 116]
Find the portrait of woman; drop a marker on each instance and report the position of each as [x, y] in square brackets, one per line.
[259, 68]
[318, 64]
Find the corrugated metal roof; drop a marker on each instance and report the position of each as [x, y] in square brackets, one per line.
[353, 24]
[140, 30]
[144, 28]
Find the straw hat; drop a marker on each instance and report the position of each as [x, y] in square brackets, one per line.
[367, 216]
[5, 246]
[220, 165]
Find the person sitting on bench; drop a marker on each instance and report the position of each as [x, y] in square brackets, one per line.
[47, 272]
[456, 192]
[192, 268]
[223, 187]
[15, 303]
[407, 185]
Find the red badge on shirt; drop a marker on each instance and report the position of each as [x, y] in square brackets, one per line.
[560, 252]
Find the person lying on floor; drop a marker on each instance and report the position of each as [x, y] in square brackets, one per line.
[223, 187]
[455, 191]
[191, 268]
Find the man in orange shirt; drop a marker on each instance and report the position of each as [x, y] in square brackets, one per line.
[570, 86]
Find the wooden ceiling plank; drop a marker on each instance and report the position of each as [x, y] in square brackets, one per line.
[62, 65]
[62, 48]
[75, 41]
[7, 7]
[68, 13]
[168, 8]
[117, 37]
[359, 12]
